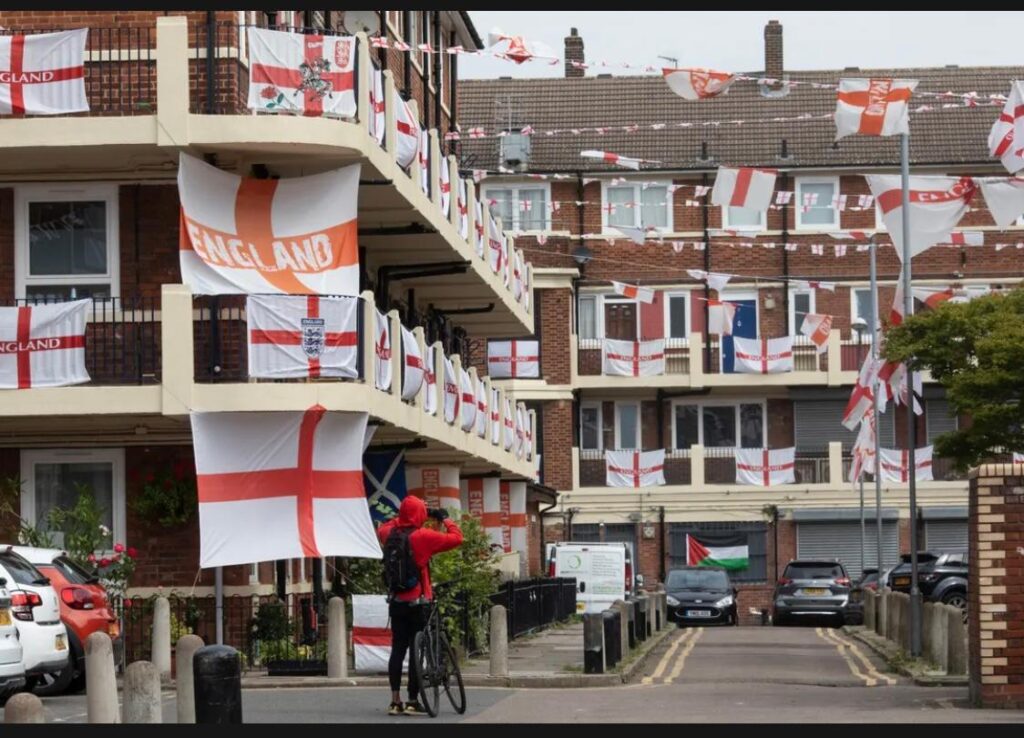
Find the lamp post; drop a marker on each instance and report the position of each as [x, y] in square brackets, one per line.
[859, 324]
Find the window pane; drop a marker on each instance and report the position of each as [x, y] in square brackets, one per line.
[590, 428]
[864, 308]
[627, 425]
[655, 207]
[801, 306]
[720, 426]
[503, 207]
[751, 426]
[822, 212]
[686, 425]
[588, 317]
[533, 219]
[59, 485]
[621, 215]
[744, 217]
[67, 238]
[677, 316]
[42, 293]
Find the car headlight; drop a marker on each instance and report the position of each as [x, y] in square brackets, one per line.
[671, 600]
[724, 602]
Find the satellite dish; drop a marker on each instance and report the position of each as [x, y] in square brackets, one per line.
[362, 21]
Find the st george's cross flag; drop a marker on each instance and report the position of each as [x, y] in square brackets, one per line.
[43, 73]
[480, 241]
[697, 84]
[408, 132]
[641, 294]
[750, 189]
[281, 485]
[1006, 139]
[43, 345]
[508, 422]
[452, 394]
[633, 358]
[715, 280]
[765, 467]
[241, 235]
[371, 634]
[495, 243]
[517, 275]
[862, 398]
[936, 206]
[764, 355]
[1004, 197]
[302, 336]
[430, 380]
[382, 351]
[495, 413]
[864, 448]
[445, 185]
[412, 365]
[467, 400]
[436, 484]
[424, 155]
[482, 407]
[377, 122]
[309, 74]
[513, 359]
[462, 203]
[520, 416]
[817, 327]
[635, 468]
[873, 107]
[895, 464]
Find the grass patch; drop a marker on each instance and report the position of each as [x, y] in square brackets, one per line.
[573, 668]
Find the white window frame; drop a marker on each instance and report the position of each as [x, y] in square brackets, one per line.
[113, 456]
[799, 207]
[597, 319]
[637, 442]
[637, 207]
[735, 403]
[600, 424]
[760, 227]
[792, 306]
[516, 188]
[854, 314]
[667, 322]
[66, 192]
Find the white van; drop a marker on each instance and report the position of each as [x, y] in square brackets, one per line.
[603, 572]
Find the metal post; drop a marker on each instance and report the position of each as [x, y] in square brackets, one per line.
[874, 394]
[218, 594]
[862, 529]
[908, 309]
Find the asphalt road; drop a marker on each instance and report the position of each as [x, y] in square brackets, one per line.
[756, 674]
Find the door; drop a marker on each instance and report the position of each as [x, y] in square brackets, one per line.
[620, 320]
[744, 325]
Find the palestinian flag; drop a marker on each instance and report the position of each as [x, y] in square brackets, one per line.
[727, 551]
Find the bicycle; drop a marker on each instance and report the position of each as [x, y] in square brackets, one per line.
[433, 660]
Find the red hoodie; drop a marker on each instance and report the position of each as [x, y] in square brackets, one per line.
[423, 541]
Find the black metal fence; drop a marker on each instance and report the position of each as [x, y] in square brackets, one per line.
[534, 603]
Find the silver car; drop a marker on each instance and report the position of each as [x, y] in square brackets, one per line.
[810, 590]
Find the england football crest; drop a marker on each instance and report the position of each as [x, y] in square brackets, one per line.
[313, 336]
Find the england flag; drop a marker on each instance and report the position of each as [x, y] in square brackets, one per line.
[294, 336]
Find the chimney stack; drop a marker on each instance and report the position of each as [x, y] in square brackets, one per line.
[773, 50]
[573, 53]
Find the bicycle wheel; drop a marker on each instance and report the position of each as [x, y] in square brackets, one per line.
[422, 661]
[451, 676]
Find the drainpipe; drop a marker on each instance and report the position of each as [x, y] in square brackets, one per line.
[661, 558]
[785, 240]
[407, 57]
[707, 268]
[543, 543]
[211, 48]
[438, 70]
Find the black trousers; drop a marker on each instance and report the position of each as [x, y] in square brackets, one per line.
[406, 621]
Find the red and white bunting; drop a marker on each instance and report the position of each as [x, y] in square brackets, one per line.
[302, 336]
[1004, 197]
[467, 400]
[462, 203]
[817, 328]
[425, 156]
[43, 345]
[804, 284]
[633, 358]
[295, 477]
[430, 380]
[412, 363]
[628, 162]
[895, 464]
[382, 351]
[481, 409]
[697, 84]
[720, 317]
[746, 188]
[635, 469]
[514, 359]
[520, 432]
[636, 235]
[478, 226]
[715, 280]
[408, 129]
[873, 107]
[1006, 139]
[452, 392]
[764, 467]
[763, 355]
[937, 204]
[43, 73]
[642, 294]
[445, 184]
[313, 75]
[966, 238]
[495, 417]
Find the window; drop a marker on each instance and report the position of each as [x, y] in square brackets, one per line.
[744, 219]
[56, 477]
[860, 307]
[590, 426]
[637, 206]
[627, 425]
[520, 208]
[724, 426]
[752, 534]
[66, 244]
[413, 33]
[676, 313]
[800, 304]
[823, 213]
[588, 316]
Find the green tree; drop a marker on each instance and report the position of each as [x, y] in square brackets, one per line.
[976, 351]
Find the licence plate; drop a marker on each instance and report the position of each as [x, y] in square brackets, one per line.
[698, 613]
[62, 644]
[817, 591]
[901, 581]
[5, 617]
[114, 630]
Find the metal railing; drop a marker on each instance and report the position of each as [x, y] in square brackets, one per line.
[535, 603]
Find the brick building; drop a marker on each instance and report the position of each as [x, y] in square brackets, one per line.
[161, 83]
[564, 210]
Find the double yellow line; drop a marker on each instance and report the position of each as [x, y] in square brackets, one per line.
[687, 639]
[871, 676]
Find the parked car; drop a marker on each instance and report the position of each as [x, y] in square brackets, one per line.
[12, 670]
[34, 604]
[84, 610]
[810, 589]
[701, 594]
[603, 572]
[942, 577]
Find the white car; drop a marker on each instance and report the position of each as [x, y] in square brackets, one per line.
[12, 670]
[36, 611]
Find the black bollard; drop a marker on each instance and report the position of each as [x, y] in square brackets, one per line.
[641, 618]
[217, 673]
[631, 614]
[593, 643]
[612, 637]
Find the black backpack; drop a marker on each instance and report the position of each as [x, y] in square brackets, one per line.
[400, 571]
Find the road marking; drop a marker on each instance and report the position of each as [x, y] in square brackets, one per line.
[663, 664]
[869, 667]
[842, 648]
[678, 668]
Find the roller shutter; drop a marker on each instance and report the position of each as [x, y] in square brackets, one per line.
[816, 422]
[945, 535]
[841, 540]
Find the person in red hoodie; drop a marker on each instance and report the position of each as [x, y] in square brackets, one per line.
[407, 608]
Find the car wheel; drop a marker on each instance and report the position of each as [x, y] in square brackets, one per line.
[956, 599]
[51, 684]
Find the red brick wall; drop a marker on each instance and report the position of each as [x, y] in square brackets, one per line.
[557, 457]
[6, 244]
[555, 308]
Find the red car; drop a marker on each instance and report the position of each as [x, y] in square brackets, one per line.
[84, 609]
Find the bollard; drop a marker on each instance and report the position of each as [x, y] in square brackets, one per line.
[956, 641]
[938, 652]
[499, 641]
[337, 639]
[593, 643]
[24, 707]
[162, 638]
[882, 612]
[641, 618]
[217, 675]
[620, 607]
[100, 682]
[648, 615]
[142, 693]
[869, 609]
[905, 622]
[927, 615]
[184, 679]
[631, 614]
[659, 611]
[612, 637]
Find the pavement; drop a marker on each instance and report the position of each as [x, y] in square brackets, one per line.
[922, 673]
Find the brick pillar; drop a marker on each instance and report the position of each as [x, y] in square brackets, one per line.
[773, 50]
[573, 53]
[557, 429]
[996, 586]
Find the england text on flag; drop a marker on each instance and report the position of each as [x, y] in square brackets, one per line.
[43, 345]
[765, 467]
[633, 358]
[635, 468]
[764, 355]
[43, 73]
[873, 107]
[513, 359]
[302, 336]
[437, 485]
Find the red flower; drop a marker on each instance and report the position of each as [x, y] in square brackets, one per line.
[91, 558]
[104, 562]
[269, 93]
[132, 553]
[118, 547]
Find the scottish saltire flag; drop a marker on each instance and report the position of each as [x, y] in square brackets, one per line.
[384, 479]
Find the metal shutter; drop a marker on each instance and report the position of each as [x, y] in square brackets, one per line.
[816, 422]
[945, 535]
[613, 533]
[938, 418]
[841, 540]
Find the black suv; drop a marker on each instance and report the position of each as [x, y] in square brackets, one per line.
[942, 577]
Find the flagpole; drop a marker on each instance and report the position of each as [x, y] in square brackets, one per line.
[874, 395]
[908, 309]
